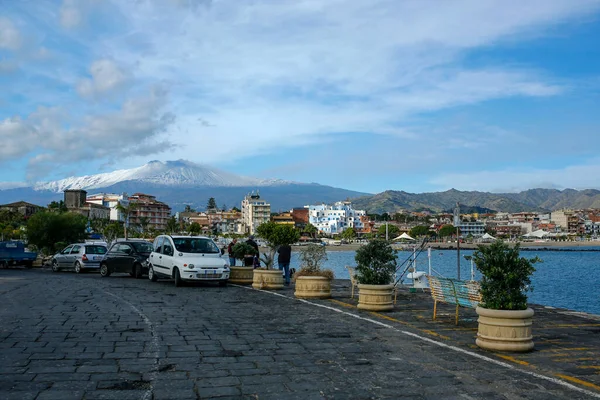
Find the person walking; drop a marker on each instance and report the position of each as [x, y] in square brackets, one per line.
[230, 252]
[283, 259]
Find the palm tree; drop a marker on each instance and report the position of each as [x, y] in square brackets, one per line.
[172, 225]
[144, 222]
[126, 210]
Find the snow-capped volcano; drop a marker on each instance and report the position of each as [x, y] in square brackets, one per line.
[169, 173]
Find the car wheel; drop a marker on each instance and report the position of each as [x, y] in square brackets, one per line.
[77, 267]
[177, 277]
[137, 271]
[222, 283]
[151, 274]
[55, 266]
[104, 271]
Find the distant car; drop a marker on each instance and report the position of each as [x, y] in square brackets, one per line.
[129, 256]
[79, 257]
[187, 258]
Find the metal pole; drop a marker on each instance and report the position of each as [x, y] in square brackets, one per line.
[386, 231]
[457, 254]
[429, 257]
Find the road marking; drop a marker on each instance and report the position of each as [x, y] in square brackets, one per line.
[560, 382]
[514, 360]
[154, 346]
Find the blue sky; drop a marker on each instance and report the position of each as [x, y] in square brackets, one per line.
[370, 95]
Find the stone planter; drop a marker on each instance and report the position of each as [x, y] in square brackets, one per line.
[241, 275]
[267, 279]
[376, 297]
[313, 287]
[505, 330]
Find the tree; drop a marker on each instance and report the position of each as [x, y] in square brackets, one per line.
[58, 206]
[212, 204]
[172, 225]
[46, 229]
[126, 211]
[223, 207]
[144, 222]
[188, 208]
[349, 234]
[277, 235]
[311, 230]
[195, 228]
[236, 209]
[419, 230]
[111, 231]
[447, 230]
[392, 230]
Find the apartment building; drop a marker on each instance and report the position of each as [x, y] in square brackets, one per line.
[111, 201]
[76, 201]
[569, 221]
[255, 211]
[334, 219]
[155, 212]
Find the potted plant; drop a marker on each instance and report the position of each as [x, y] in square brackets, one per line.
[242, 275]
[376, 264]
[504, 318]
[312, 282]
[275, 235]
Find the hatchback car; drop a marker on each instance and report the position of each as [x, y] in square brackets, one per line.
[127, 256]
[187, 258]
[79, 257]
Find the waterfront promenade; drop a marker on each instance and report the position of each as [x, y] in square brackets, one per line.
[68, 336]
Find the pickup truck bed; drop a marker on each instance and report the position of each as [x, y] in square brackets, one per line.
[13, 253]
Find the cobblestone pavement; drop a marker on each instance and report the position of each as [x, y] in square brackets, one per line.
[67, 336]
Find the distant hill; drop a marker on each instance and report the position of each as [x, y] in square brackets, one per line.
[529, 200]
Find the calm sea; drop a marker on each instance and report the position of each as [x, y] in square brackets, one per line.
[565, 279]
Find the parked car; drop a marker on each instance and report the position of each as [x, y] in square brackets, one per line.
[79, 257]
[187, 258]
[127, 256]
[13, 252]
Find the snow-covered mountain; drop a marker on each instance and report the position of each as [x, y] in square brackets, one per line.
[170, 173]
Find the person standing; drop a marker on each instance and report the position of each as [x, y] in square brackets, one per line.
[249, 260]
[283, 259]
[230, 252]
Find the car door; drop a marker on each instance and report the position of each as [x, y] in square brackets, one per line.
[72, 256]
[125, 258]
[156, 256]
[61, 257]
[111, 257]
[168, 251]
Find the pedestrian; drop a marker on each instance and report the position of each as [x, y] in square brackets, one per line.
[230, 252]
[249, 260]
[283, 259]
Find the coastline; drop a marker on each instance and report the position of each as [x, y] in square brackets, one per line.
[557, 246]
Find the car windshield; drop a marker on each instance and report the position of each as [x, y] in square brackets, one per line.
[195, 245]
[95, 250]
[143, 247]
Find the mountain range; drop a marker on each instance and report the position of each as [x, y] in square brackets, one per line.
[180, 183]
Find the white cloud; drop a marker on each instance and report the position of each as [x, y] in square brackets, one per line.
[18, 138]
[107, 77]
[10, 38]
[71, 15]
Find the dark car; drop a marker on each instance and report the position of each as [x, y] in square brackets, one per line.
[127, 256]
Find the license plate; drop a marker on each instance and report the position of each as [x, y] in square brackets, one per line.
[208, 275]
[97, 258]
[209, 272]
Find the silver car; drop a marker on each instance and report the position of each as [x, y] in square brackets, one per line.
[79, 257]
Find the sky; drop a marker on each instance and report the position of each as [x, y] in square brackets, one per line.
[373, 95]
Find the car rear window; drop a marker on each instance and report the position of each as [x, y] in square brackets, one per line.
[195, 245]
[143, 247]
[95, 250]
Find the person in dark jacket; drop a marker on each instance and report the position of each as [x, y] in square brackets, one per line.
[249, 260]
[283, 259]
[230, 251]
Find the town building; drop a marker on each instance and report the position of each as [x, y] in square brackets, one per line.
[148, 210]
[255, 211]
[21, 207]
[568, 221]
[111, 201]
[334, 219]
[76, 201]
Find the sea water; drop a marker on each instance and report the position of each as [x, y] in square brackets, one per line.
[564, 279]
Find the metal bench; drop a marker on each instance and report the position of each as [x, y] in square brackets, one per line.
[452, 291]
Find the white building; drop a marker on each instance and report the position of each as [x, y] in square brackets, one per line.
[255, 211]
[111, 201]
[336, 218]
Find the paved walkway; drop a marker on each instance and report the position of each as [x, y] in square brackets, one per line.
[67, 336]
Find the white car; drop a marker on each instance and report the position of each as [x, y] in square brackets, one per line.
[187, 258]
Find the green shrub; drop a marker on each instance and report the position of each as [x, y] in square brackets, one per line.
[505, 276]
[376, 263]
[311, 260]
